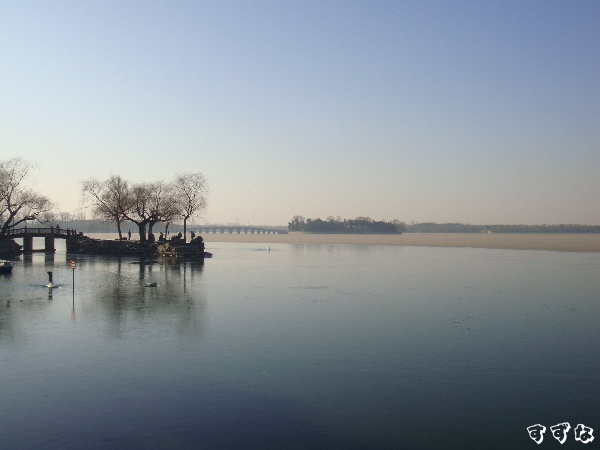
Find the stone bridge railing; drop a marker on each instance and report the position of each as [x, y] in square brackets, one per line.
[39, 232]
[48, 233]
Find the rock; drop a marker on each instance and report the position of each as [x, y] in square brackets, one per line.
[86, 245]
[180, 249]
[9, 249]
[176, 247]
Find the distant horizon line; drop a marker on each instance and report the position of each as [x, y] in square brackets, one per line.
[234, 224]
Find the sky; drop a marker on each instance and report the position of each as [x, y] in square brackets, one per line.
[422, 111]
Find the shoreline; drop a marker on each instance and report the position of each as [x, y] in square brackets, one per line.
[552, 242]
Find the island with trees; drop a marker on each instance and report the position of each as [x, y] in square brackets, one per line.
[113, 200]
[146, 204]
[360, 225]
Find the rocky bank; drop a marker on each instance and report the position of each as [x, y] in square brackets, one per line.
[9, 249]
[174, 247]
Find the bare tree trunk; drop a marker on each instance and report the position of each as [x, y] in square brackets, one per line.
[142, 231]
[185, 229]
[119, 230]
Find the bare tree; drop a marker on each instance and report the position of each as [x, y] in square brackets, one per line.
[163, 203]
[150, 203]
[138, 210]
[18, 203]
[190, 189]
[79, 214]
[65, 215]
[110, 198]
[49, 216]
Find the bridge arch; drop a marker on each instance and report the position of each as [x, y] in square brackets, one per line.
[49, 235]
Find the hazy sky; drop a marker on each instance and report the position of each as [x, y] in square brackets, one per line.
[447, 111]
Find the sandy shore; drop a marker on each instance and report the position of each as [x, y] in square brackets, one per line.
[555, 242]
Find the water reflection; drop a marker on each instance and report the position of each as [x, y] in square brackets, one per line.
[148, 296]
[118, 295]
[306, 346]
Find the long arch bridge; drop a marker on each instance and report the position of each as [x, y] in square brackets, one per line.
[236, 229]
[49, 235]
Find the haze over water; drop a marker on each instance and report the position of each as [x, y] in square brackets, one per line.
[300, 346]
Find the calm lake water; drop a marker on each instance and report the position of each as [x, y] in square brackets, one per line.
[302, 346]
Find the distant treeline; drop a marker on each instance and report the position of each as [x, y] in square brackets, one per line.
[360, 225]
[466, 228]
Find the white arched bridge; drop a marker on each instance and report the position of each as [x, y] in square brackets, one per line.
[236, 229]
